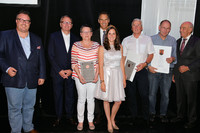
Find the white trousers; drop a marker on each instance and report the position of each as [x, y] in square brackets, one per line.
[85, 91]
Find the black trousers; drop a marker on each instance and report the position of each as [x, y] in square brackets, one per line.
[186, 96]
[64, 96]
[140, 83]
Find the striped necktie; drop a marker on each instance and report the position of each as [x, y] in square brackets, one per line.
[182, 46]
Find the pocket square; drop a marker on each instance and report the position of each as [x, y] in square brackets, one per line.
[38, 47]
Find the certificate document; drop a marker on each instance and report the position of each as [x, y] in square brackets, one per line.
[132, 60]
[129, 68]
[87, 71]
[159, 58]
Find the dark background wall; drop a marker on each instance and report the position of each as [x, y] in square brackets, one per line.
[45, 19]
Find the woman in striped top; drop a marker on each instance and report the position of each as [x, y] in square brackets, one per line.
[85, 51]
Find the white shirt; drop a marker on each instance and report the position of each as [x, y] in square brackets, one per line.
[101, 36]
[140, 47]
[66, 40]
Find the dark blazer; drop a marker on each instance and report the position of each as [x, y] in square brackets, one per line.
[96, 36]
[59, 58]
[190, 57]
[12, 55]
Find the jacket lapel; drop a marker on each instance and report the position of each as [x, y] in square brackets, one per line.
[99, 36]
[19, 45]
[71, 41]
[178, 46]
[187, 45]
[32, 45]
[61, 42]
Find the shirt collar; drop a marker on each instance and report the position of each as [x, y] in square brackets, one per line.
[27, 37]
[188, 37]
[132, 36]
[64, 35]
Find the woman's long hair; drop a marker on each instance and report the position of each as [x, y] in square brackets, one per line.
[117, 40]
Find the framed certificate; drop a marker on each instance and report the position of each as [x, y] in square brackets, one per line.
[87, 71]
[129, 67]
[132, 60]
[159, 59]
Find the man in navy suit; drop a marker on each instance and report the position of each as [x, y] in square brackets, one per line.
[59, 50]
[23, 68]
[187, 75]
[103, 20]
[98, 36]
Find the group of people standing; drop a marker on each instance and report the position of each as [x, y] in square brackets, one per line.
[23, 65]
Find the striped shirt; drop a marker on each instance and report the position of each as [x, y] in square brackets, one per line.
[82, 54]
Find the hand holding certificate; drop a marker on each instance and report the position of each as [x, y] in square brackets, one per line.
[129, 67]
[87, 71]
[159, 59]
[132, 60]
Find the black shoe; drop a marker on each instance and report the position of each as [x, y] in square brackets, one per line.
[98, 119]
[164, 119]
[152, 117]
[176, 120]
[189, 125]
[56, 123]
[143, 123]
[72, 121]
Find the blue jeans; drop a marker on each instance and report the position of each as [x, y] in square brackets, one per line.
[163, 81]
[20, 108]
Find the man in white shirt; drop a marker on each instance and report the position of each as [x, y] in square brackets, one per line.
[139, 48]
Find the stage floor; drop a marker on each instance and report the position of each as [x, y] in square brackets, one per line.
[43, 123]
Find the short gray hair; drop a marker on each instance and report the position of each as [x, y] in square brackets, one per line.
[136, 19]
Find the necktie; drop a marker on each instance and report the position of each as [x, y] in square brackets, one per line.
[104, 32]
[182, 46]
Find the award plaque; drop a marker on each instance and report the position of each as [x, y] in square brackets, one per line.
[129, 67]
[87, 71]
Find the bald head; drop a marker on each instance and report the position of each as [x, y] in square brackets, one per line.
[186, 29]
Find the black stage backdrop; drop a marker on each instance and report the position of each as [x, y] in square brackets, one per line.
[45, 19]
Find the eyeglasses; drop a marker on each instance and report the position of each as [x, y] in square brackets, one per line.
[165, 28]
[85, 32]
[65, 22]
[23, 20]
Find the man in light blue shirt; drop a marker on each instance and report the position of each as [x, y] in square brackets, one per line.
[26, 45]
[161, 80]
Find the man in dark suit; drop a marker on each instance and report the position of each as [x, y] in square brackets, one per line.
[187, 75]
[98, 36]
[23, 68]
[59, 50]
[103, 20]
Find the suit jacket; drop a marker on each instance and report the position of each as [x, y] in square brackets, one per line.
[96, 36]
[190, 57]
[12, 55]
[59, 58]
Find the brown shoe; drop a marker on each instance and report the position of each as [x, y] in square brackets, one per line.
[33, 131]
